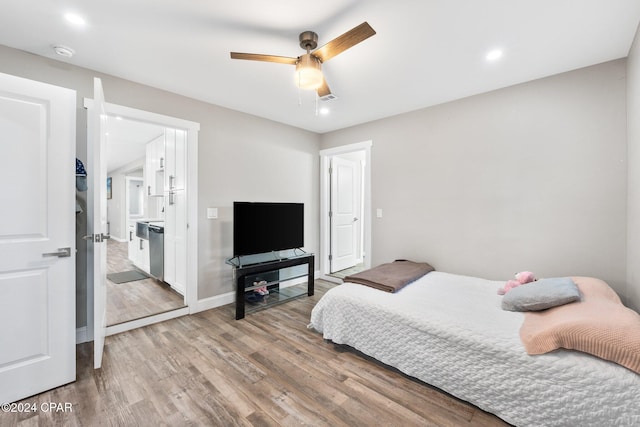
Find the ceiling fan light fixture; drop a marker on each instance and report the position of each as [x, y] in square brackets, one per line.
[308, 72]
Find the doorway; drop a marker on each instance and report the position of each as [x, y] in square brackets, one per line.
[153, 208]
[345, 226]
[133, 291]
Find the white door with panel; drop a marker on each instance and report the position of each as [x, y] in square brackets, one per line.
[97, 216]
[344, 213]
[37, 237]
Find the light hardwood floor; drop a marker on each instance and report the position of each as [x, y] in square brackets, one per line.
[134, 300]
[268, 369]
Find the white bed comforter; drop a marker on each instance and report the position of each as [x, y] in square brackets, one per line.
[449, 331]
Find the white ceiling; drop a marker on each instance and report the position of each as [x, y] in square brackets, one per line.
[127, 141]
[425, 52]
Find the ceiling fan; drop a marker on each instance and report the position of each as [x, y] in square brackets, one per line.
[309, 65]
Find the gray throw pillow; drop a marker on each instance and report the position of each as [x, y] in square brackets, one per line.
[540, 295]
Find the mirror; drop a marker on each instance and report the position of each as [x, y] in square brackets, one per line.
[132, 292]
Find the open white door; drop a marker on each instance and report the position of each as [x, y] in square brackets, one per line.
[97, 216]
[344, 214]
[37, 237]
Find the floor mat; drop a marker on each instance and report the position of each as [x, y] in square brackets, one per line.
[126, 276]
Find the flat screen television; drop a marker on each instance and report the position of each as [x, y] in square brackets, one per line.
[260, 227]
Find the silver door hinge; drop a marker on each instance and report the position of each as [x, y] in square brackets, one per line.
[96, 238]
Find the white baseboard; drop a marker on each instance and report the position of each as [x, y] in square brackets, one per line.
[145, 321]
[215, 301]
[331, 279]
[202, 305]
[81, 335]
[230, 297]
[118, 239]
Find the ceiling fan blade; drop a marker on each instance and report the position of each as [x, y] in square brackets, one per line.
[344, 42]
[323, 90]
[265, 58]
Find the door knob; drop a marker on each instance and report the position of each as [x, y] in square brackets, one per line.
[62, 253]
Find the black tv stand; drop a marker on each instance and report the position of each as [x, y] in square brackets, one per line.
[245, 275]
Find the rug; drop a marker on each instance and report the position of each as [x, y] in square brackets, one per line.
[126, 276]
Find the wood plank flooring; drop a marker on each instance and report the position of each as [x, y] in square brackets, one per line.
[268, 369]
[134, 300]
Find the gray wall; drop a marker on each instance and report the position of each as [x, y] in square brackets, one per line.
[531, 177]
[241, 157]
[252, 160]
[633, 200]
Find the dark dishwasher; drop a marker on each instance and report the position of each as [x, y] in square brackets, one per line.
[156, 251]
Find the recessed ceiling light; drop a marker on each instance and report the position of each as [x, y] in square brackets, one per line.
[65, 51]
[494, 55]
[324, 111]
[75, 19]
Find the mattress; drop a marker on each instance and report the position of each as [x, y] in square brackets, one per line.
[449, 331]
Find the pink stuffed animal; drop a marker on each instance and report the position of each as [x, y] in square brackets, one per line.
[525, 277]
[262, 289]
[521, 278]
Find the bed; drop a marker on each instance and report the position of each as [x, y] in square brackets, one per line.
[450, 331]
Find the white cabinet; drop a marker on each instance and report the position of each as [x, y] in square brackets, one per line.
[140, 252]
[175, 227]
[155, 161]
[131, 241]
[175, 143]
[143, 255]
[165, 184]
[138, 249]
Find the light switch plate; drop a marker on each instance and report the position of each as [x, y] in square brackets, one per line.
[379, 213]
[212, 213]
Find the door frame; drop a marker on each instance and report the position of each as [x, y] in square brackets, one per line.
[325, 203]
[192, 129]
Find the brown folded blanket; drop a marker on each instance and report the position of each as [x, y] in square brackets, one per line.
[392, 276]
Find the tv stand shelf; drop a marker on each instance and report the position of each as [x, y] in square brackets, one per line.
[277, 294]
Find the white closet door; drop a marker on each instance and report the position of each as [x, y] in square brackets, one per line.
[344, 214]
[37, 237]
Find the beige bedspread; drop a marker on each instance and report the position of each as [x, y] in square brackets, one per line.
[392, 276]
[599, 324]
